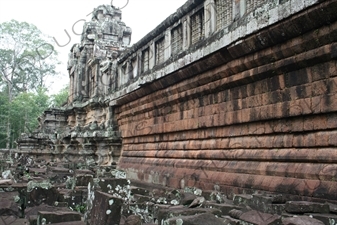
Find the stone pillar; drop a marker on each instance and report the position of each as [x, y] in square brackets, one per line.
[167, 45]
[210, 17]
[239, 9]
[186, 33]
[152, 56]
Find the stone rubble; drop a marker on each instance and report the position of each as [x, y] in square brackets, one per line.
[60, 193]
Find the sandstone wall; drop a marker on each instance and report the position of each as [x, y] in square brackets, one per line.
[257, 114]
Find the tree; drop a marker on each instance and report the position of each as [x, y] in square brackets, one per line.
[26, 59]
[26, 56]
[22, 113]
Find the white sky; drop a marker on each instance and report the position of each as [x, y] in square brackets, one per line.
[52, 17]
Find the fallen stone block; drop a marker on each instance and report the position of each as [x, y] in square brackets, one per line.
[4, 220]
[301, 220]
[306, 207]
[6, 182]
[45, 217]
[83, 180]
[106, 209]
[325, 218]
[225, 208]
[71, 223]
[242, 199]
[139, 191]
[141, 198]
[165, 214]
[199, 219]
[256, 217]
[8, 208]
[113, 185]
[187, 198]
[231, 221]
[133, 220]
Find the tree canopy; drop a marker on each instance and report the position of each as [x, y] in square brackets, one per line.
[27, 59]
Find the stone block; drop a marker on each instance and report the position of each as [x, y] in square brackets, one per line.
[4, 220]
[305, 220]
[325, 218]
[306, 207]
[242, 199]
[45, 217]
[106, 209]
[225, 208]
[71, 223]
[111, 185]
[257, 217]
[199, 219]
[83, 180]
[171, 212]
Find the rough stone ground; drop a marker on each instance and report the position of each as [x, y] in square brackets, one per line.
[39, 192]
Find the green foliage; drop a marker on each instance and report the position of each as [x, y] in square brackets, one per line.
[22, 113]
[60, 98]
[81, 208]
[27, 59]
[26, 56]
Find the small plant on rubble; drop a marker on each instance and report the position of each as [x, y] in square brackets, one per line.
[81, 208]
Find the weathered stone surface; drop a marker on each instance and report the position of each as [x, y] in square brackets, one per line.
[164, 214]
[225, 208]
[133, 220]
[57, 217]
[301, 220]
[325, 218]
[71, 223]
[113, 185]
[4, 220]
[38, 195]
[306, 207]
[187, 198]
[201, 219]
[106, 209]
[256, 217]
[8, 208]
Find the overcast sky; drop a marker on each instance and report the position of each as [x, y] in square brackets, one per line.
[52, 17]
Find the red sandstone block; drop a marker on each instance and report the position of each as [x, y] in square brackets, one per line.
[298, 140]
[330, 103]
[319, 87]
[304, 105]
[229, 118]
[331, 120]
[321, 139]
[333, 138]
[288, 141]
[278, 141]
[320, 123]
[309, 140]
[316, 104]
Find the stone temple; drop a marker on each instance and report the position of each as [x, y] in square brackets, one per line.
[225, 113]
